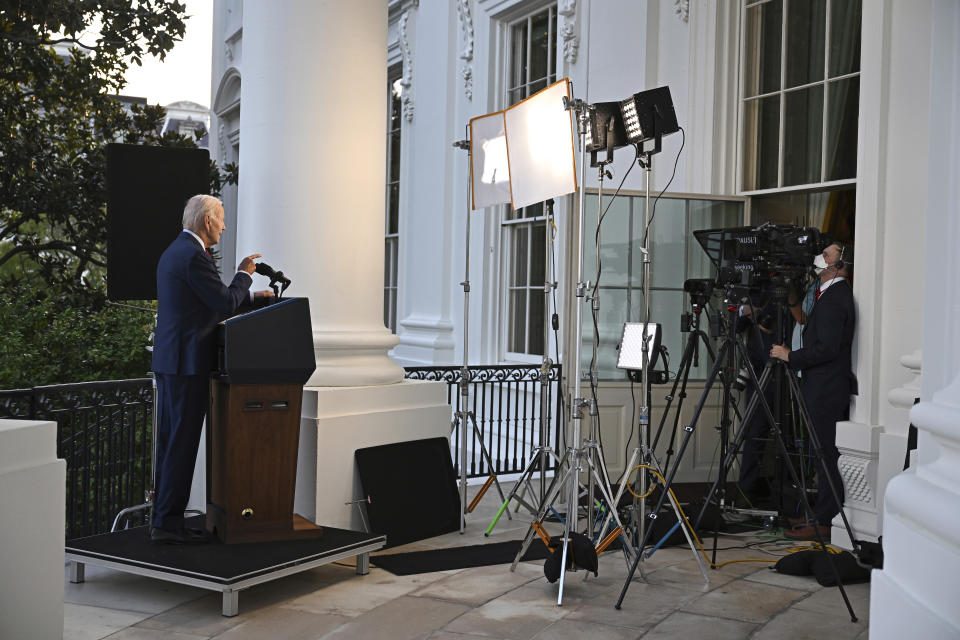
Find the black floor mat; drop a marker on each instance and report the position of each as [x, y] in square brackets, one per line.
[479, 555]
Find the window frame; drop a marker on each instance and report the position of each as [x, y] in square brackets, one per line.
[392, 239]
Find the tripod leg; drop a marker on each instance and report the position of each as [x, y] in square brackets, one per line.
[552, 491]
[524, 478]
[711, 378]
[486, 456]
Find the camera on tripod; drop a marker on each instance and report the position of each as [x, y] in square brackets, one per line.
[768, 257]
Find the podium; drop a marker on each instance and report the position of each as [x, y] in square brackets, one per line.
[264, 358]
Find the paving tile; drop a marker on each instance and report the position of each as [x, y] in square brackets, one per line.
[352, 598]
[200, 617]
[829, 602]
[84, 622]
[687, 625]
[643, 606]
[800, 624]
[479, 585]
[744, 600]
[519, 614]
[769, 576]
[127, 592]
[566, 629]
[283, 622]
[399, 619]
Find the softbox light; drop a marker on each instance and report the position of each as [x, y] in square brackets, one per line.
[540, 147]
[489, 169]
[632, 343]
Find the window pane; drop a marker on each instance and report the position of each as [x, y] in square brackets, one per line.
[842, 113]
[763, 39]
[615, 239]
[517, 337]
[845, 18]
[761, 123]
[806, 31]
[665, 309]
[668, 240]
[518, 56]
[519, 256]
[396, 91]
[533, 211]
[802, 135]
[393, 193]
[535, 328]
[537, 255]
[539, 39]
[395, 156]
[612, 315]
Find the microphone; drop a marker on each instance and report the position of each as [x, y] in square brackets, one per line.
[275, 276]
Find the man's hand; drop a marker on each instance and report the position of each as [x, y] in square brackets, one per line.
[266, 293]
[247, 263]
[780, 352]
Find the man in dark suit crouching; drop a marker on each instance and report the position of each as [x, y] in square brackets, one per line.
[828, 380]
[191, 300]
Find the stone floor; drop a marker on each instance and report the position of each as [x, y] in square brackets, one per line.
[742, 600]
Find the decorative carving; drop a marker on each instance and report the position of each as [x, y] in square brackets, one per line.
[222, 139]
[856, 479]
[682, 9]
[569, 39]
[406, 81]
[465, 17]
[228, 50]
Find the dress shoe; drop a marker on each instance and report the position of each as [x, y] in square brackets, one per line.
[183, 536]
[809, 532]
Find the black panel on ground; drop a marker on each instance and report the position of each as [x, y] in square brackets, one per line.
[412, 489]
[147, 188]
[478, 555]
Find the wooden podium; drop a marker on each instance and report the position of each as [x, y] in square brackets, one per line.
[253, 426]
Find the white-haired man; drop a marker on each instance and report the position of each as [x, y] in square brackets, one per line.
[191, 300]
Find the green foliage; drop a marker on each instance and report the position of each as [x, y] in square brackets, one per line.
[58, 339]
[57, 114]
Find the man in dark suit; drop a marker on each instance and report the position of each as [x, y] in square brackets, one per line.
[828, 380]
[191, 300]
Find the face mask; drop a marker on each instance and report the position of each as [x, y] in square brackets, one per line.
[819, 264]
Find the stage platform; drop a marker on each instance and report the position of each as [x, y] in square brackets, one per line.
[227, 568]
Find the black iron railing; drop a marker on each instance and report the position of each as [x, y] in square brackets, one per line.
[505, 401]
[104, 432]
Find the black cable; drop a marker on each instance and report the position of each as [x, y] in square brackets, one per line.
[603, 215]
[653, 211]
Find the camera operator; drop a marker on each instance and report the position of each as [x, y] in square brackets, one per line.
[759, 320]
[828, 380]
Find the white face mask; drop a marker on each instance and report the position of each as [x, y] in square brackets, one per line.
[819, 264]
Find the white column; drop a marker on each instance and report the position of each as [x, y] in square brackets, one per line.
[311, 200]
[917, 591]
[313, 172]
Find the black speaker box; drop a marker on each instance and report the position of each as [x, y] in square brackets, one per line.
[412, 489]
[147, 188]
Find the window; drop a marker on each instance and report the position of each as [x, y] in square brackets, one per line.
[392, 232]
[675, 257]
[801, 92]
[531, 67]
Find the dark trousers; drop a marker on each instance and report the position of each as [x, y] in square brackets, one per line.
[753, 443]
[826, 408]
[181, 406]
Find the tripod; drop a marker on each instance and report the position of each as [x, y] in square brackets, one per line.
[726, 354]
[463, 416]
[542, 455]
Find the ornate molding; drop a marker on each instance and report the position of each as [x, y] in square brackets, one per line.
[904, 396]
[465, 17]
[569, 38]
[406, 81]
[222, 139]
[682, 9]
[858, 481]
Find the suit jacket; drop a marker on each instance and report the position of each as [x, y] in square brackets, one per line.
[191, 300]
[825, 358]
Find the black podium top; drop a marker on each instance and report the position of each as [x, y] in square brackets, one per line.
[272, 345]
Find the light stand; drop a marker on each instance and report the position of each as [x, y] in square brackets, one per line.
[464, 416]
[578, 453]
[541, 454]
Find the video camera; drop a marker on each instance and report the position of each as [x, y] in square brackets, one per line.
[758, 257]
